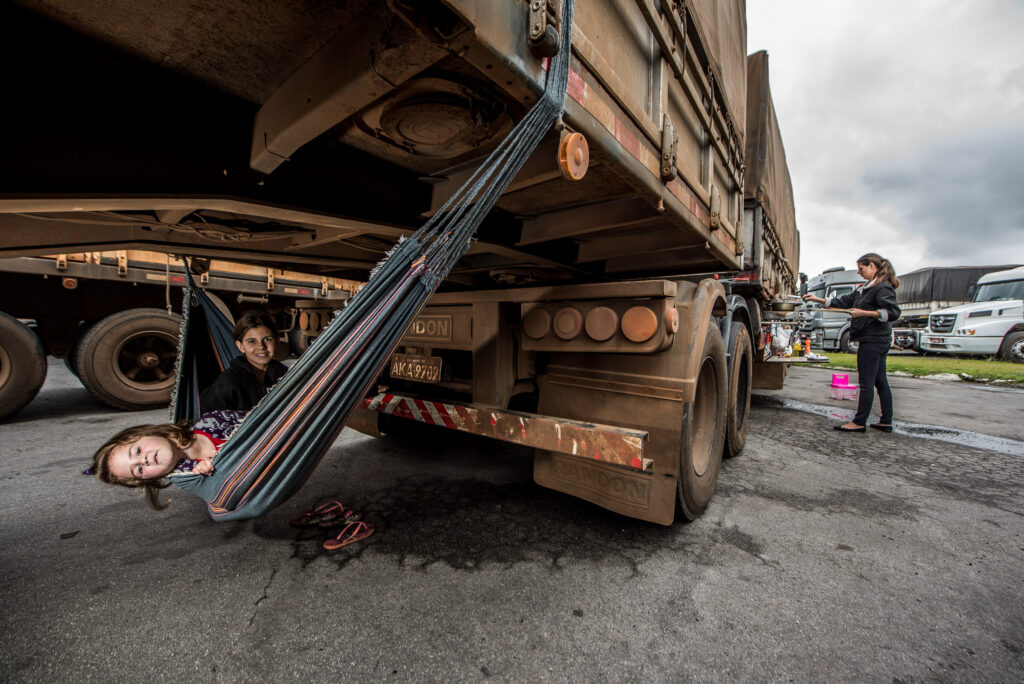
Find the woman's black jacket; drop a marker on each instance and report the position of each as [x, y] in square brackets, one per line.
[238, 388]
[880, 298]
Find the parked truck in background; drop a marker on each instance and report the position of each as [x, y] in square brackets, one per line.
[926, 290]
[829, 330]
[991, 325]
[608, 311]
[113, 317]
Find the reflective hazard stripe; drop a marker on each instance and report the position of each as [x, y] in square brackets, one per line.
[612, 444]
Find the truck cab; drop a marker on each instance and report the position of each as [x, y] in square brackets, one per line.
[992, 324]
[829, 330]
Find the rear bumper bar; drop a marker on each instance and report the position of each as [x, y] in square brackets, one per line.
[607, 443]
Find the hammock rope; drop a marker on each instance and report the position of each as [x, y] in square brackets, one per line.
[281, 441]
[205, 348]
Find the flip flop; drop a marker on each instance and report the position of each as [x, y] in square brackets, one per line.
[355, 531]
[330, 514]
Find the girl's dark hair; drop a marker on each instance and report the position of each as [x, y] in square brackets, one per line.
[252, 319]
[886, 274]
[180, 433]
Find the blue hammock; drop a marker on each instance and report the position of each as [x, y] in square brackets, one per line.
[206, 346]
[282, 440]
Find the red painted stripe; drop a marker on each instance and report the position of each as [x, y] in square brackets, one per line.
[403, 411]
[467, 419]
[577, 88]
[629, 142]
[427, 418]
[443, 410]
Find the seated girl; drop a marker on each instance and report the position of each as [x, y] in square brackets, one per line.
[252, 373]
[152, 457]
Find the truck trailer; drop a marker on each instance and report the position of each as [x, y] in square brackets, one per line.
[608, 311]
[113, 317]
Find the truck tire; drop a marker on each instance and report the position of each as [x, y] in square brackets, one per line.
[846, 345]
[22, 365]
[127, 359]
[740, 373]
[703, 432]
[1013, 347]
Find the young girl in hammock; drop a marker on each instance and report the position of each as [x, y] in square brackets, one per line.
[152, 456]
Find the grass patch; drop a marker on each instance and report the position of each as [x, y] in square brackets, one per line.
[979, 369]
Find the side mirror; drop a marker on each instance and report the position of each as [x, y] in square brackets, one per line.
[803, 284]
[970, 292]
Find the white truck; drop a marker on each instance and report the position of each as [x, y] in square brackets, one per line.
[926, 290]
[992, 324]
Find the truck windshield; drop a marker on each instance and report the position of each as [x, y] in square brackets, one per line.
[994, 292]
[840, 290]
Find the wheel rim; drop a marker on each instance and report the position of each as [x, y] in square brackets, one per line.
[5, 367]
[145, 360]
[1017, 351]
[705, 404]
[854, 345]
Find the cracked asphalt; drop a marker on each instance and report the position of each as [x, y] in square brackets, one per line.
[824, 557]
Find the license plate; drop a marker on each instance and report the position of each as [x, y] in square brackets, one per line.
[416, 367]
[936, 340]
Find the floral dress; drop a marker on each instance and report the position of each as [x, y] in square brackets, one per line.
[216, 426]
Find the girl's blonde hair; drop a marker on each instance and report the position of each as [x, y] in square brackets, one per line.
[180, 433]
[886, 274]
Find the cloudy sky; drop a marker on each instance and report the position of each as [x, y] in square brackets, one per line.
[903, 122]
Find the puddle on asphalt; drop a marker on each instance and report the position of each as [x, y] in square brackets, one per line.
[1011, 447]
[993, 388]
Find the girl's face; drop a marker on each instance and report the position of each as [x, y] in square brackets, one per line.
[147, 458]
[258, 346]
[867, 271]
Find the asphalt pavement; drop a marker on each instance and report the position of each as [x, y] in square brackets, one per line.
[823, 557]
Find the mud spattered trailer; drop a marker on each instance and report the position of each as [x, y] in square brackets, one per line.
[598, 317]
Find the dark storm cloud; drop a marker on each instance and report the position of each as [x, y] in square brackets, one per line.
[964, 196]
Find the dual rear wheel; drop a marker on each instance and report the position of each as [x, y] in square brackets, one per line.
[127, 359]
[22, 365]
[715, 423]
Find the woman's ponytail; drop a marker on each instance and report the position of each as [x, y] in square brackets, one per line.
[889, 274]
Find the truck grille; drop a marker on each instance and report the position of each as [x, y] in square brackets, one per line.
[942, 323]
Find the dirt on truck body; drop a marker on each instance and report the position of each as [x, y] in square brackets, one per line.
[614, 295]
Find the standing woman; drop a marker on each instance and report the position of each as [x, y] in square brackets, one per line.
[872, 308]
[252, 373]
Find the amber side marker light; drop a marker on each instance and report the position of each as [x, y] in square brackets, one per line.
[639, 324]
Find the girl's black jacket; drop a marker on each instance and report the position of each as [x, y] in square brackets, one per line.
[238, 388]
[881, 298]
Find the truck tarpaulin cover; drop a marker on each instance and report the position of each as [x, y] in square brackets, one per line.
[767, 177]
[941, 284]
[723, 26]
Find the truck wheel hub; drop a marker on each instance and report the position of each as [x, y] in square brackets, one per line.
[148, 360]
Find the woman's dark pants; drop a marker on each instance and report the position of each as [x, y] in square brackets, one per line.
[871, 376]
